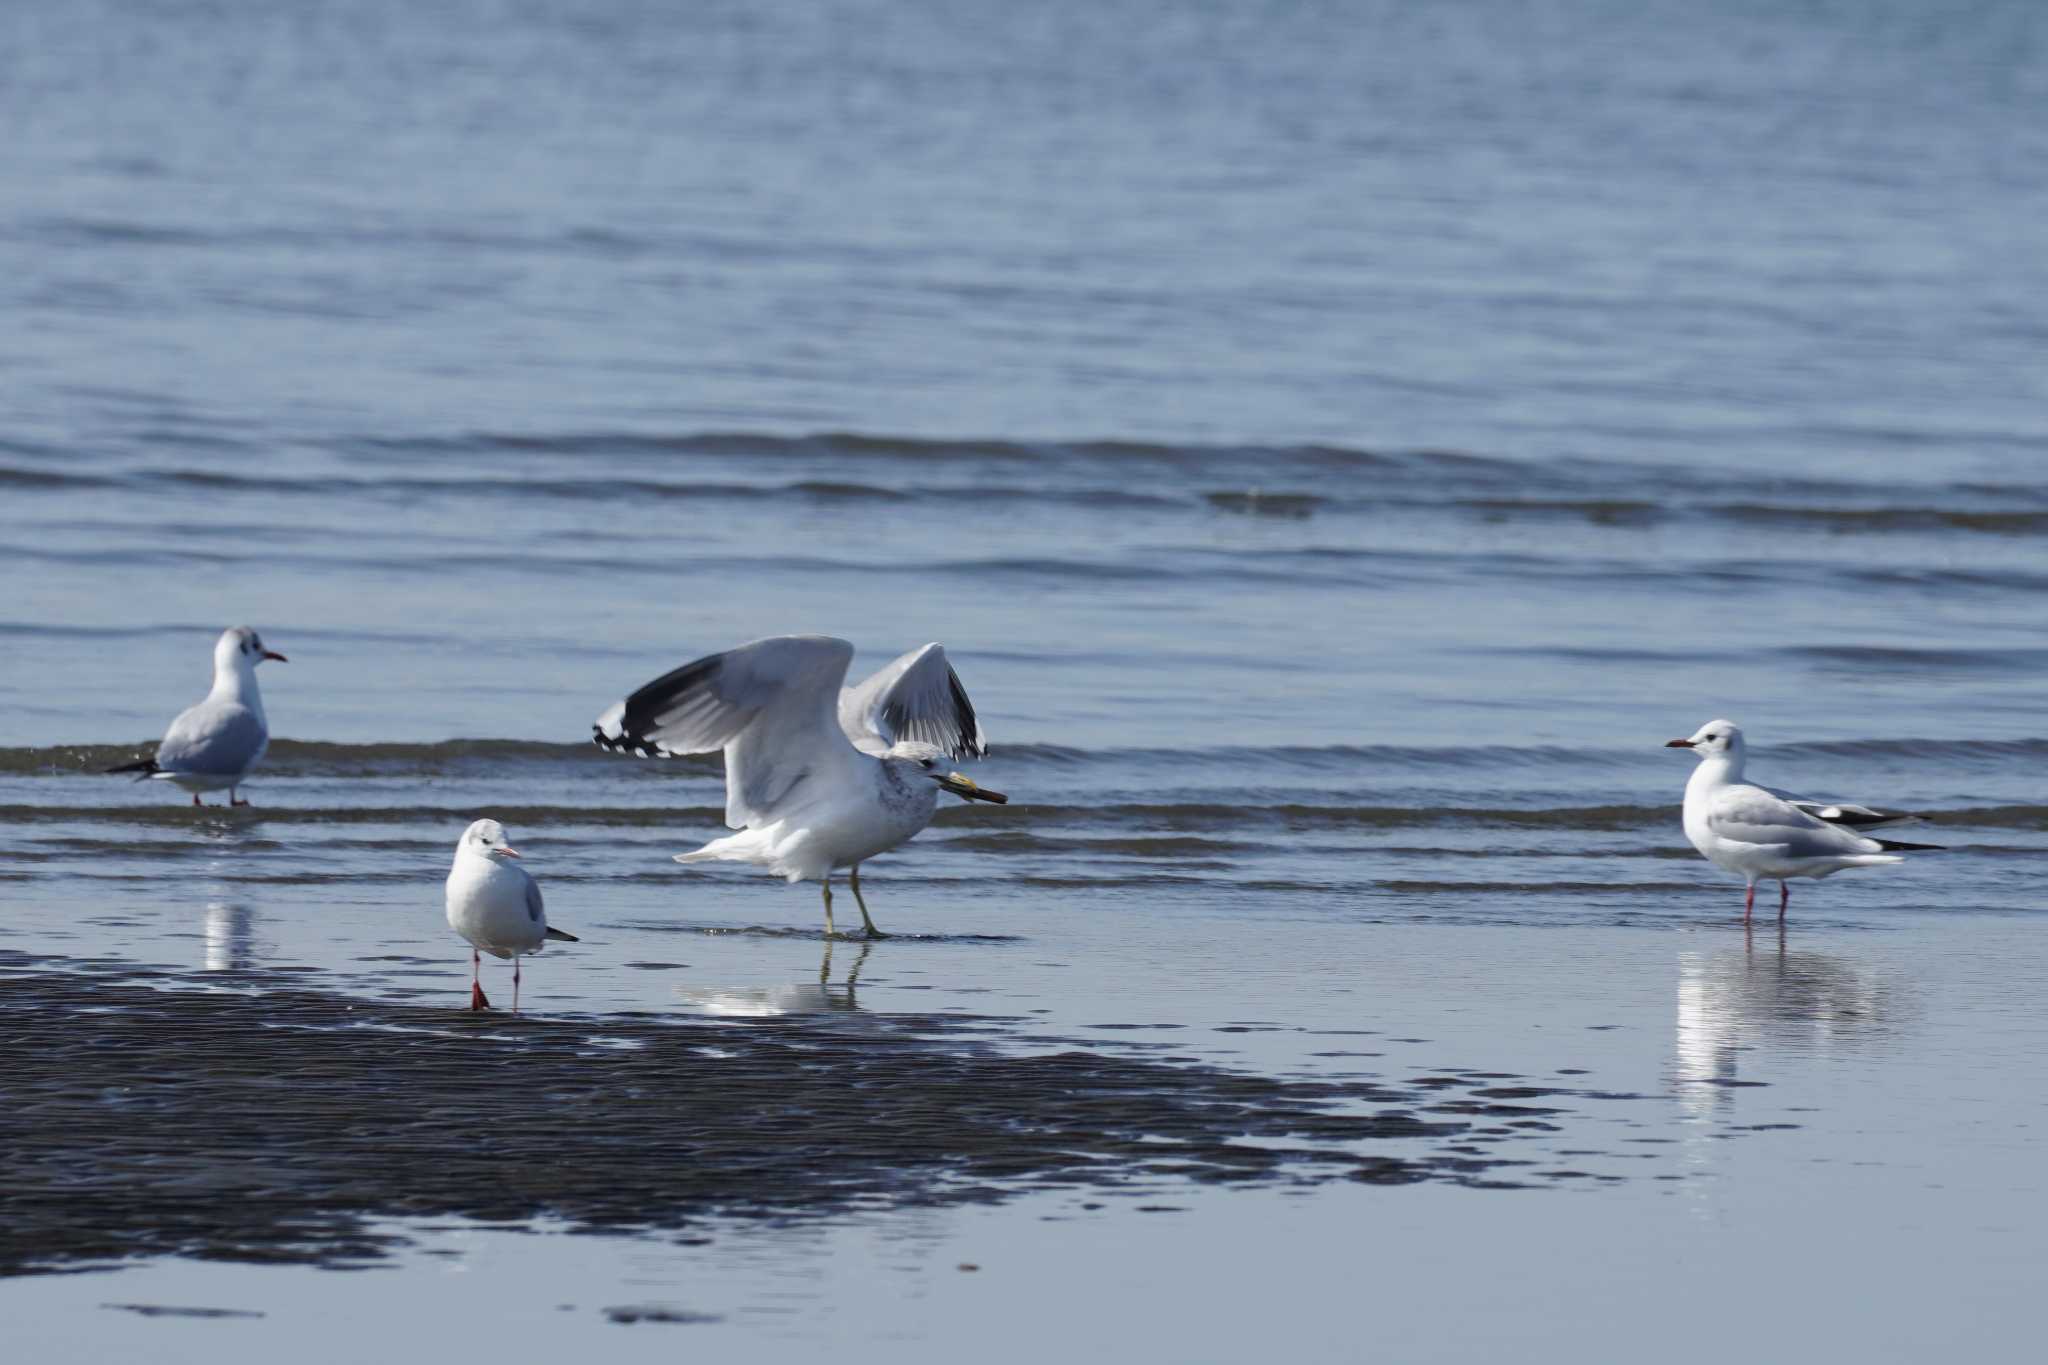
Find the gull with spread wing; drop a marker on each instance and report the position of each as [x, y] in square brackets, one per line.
[817, 775]
[215, 743]
[1759, 834]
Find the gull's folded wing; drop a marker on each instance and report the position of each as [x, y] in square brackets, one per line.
[1751, 815]
[1844, 813]
[918, 697]
[212, 737]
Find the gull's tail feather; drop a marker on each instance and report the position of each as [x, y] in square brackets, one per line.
[143, 768]
[1899, 846]
[748, 846]
[561, 936]
[762, 848]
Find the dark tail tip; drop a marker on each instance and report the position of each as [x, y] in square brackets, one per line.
[1895, 846]
[561, 937]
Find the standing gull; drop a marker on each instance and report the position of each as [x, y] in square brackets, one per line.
[1758, 834]
[496, 905]
[817, 775]
[215, 744]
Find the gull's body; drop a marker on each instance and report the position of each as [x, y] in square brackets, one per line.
[1759, 834]
[495, 904]
[818, 776]
[214, 744]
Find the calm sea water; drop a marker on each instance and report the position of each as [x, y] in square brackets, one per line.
[1337, 443]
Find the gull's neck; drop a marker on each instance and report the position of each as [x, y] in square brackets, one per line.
[234, 679]
[1715, 770]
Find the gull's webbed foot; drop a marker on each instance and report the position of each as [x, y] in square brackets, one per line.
[853, 878]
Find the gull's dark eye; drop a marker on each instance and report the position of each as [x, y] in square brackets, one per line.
[925, 761]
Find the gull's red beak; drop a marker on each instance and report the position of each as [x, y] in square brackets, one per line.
[273, 654]
[509, 851]
[1679, 744]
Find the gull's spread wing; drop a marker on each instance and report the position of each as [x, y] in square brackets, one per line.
[771, 705]
[918, 697]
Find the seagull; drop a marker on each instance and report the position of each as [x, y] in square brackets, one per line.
[817, 775]
[215, 744]
[1758, 833]
[496, 905]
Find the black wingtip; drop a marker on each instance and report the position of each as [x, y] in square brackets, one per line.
[632, 718]
[1896, 846]
[561, 936]
[971, 745]
[626, 744]
[145, 766]
[1858, 820]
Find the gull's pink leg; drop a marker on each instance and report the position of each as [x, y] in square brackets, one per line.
[1784, 898]
[476, 987]
[196, 801]
[1749, 903]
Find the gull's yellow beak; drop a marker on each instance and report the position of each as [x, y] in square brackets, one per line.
[967, 789]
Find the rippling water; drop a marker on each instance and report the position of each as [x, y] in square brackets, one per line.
[1338, 445]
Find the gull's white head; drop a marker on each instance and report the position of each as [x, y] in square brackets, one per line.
[486, 839]
[928, 760]
[240, 648]
[1715, 739]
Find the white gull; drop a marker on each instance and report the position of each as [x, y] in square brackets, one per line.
[817, 775]
[215, 743]
[1759, 834]
[496, 905]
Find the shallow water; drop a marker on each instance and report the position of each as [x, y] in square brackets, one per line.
[1835, 1135]
[1338, 446]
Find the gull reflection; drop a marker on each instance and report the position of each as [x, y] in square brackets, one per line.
[230, 937]
[1743, 1001]
[797, 997]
